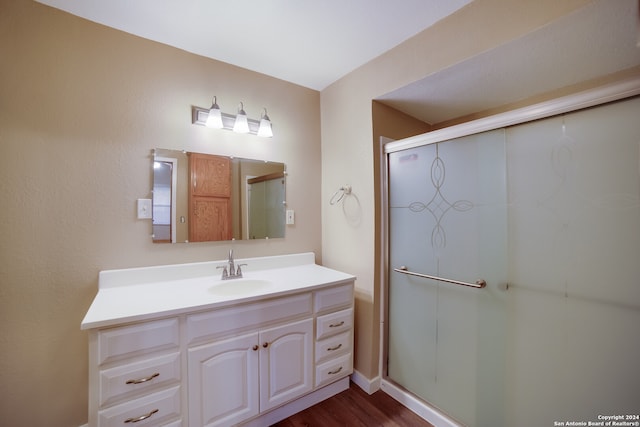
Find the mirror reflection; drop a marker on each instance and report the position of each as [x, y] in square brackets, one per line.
[204, 197]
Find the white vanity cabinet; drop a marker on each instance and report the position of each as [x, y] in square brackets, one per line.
[286, 364]
[257, 368]
[238, 378]
[225, 377]
[186, 357]
[334, 333]
[135, 375]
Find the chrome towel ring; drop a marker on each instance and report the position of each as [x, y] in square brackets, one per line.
[339, 194]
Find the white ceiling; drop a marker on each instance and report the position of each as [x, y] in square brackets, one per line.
[309, 43]
[314, 43]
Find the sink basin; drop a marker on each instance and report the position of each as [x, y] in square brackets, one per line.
[237, 287]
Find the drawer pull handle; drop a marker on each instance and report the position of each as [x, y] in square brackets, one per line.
[143, 380]
[334, 348]
[335, 372]
[335, 325]
[140, 418]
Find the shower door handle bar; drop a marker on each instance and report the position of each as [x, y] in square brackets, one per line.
[480, 283]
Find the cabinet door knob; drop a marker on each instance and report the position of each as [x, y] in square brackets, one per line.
[255, 347]
[265, 345]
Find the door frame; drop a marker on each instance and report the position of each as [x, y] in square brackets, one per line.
[174, 192]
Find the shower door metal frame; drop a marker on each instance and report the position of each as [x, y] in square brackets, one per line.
[624, 88]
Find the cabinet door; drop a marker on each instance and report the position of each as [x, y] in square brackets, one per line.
[223, 382]
[286, 363]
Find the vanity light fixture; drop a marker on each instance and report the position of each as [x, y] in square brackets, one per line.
[241, 124]
[264, 129]
[213, 117]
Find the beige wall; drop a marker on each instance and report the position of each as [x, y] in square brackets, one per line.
[349, 147]
[81, 107]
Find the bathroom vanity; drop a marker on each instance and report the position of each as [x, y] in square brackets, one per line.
[176, 345]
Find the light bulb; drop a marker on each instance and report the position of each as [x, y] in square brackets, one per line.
[265, 130]
[242, 123]
[214, 119]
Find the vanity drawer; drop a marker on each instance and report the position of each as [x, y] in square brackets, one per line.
[334, 346]
[217, 323]
[127, 381]
[333, 298]
[334, 369]
[128, 341]
[156, 409]
[334, 323]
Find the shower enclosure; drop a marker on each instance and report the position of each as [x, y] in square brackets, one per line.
[547, 213]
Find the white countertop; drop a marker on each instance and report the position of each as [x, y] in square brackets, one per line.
[146, 293]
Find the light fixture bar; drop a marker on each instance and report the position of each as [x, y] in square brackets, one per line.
[199, 116]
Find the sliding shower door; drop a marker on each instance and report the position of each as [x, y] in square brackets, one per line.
[447, 218]
[548, 214]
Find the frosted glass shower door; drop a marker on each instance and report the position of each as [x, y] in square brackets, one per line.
[266, 209]
[448, 218]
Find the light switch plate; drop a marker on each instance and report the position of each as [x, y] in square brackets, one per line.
[291, 217]
[144, 208]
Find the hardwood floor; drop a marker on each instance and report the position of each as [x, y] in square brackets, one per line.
[355, 408]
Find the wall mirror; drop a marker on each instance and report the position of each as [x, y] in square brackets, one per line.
[204, 197]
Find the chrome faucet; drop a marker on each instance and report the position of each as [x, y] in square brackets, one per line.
[230, 271]
[232, 268]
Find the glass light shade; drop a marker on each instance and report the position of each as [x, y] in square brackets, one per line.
[242, 123]
[265, 127]
[214, 120]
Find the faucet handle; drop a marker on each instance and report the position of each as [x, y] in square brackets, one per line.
[225, 273]
[239, 270]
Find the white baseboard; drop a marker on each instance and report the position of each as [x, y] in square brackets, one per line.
[368, 385]
[423, 410]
